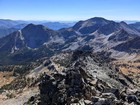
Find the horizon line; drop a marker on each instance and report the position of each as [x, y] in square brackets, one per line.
[75, 20]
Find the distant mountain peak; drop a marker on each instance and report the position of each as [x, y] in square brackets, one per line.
[33, 26]
[122, 22]
[129, 29]
[90, 25]
[98, 19]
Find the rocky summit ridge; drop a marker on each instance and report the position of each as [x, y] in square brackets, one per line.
[86, 80]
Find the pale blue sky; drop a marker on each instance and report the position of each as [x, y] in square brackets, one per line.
[69, 10]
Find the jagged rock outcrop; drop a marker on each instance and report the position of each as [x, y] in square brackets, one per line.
[86, 81]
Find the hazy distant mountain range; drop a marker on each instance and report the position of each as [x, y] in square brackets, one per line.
[9, 26]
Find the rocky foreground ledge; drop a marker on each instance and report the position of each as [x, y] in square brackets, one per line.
[86, 80]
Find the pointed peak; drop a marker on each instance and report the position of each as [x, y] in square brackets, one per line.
[122, 22]
[31, 26]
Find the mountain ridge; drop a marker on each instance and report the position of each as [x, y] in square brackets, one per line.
[105, 35]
